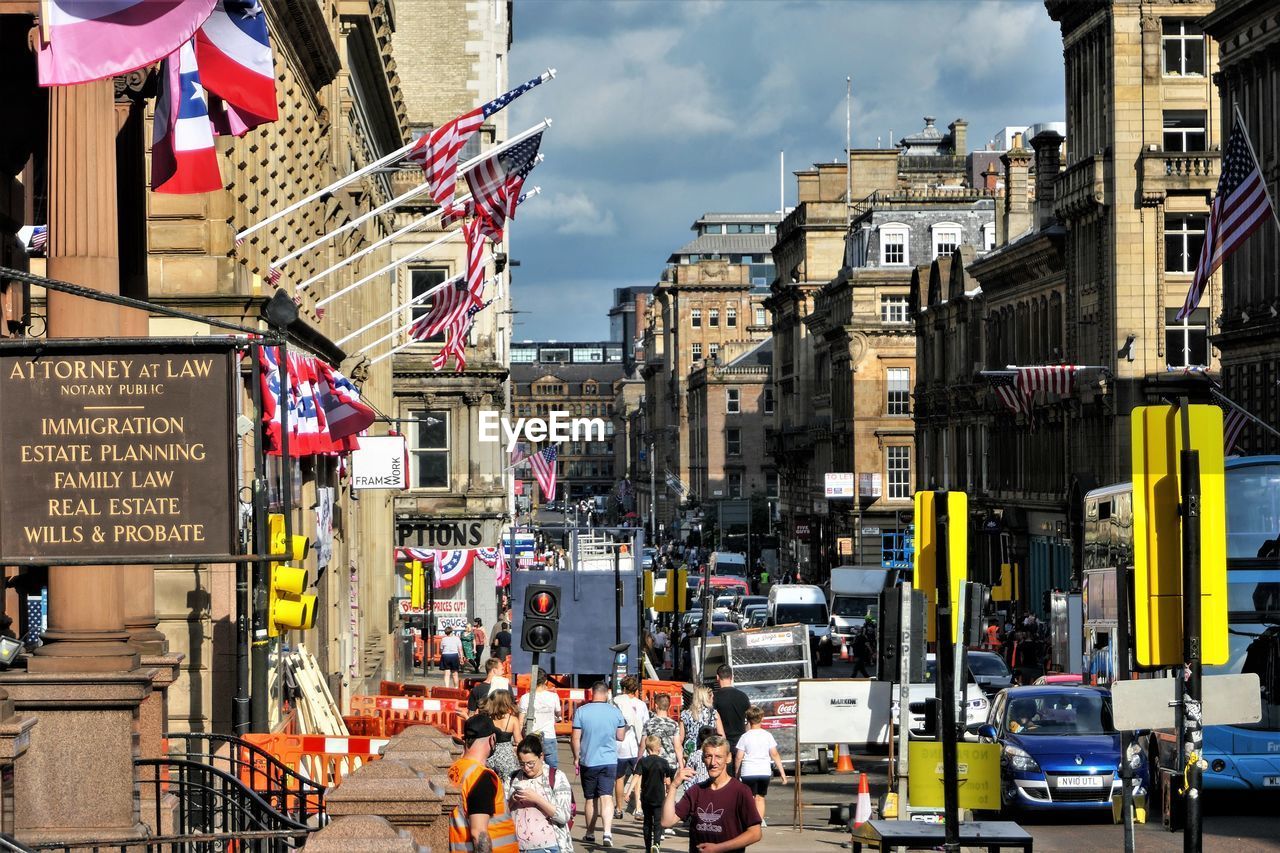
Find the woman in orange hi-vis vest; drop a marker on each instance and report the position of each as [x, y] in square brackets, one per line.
[480, 822]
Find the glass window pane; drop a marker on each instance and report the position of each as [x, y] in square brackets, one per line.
[433, 470]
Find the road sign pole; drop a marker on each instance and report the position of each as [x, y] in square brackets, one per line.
[1122, 644]
[530, 711]
[904, 699]
[946, 677]
[1192, 718]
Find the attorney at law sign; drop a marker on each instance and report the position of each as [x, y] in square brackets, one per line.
[380, 463]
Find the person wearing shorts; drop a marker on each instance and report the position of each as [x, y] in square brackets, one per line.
[756, 750]
[598, 725]
[450, 657]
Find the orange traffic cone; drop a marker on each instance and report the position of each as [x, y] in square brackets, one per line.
[844, 651]
[863, 812]
[844, 761]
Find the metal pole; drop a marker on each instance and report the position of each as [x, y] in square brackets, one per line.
[946, 679]
[617, 598]
[531, 699]
[429, 619]
[904, 698]
[1121, 641]
[242, 717]
[653, 495]
[1192, 720]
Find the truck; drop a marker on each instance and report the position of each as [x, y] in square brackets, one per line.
[728, 563]
[855, 597]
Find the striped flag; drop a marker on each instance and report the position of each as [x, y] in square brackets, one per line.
[450, 306]
[235, 62]
[543, 464]
[1056, 378]
[1239, 208]
[1232, 427]
[39, 243]
[1005, 385]
[183, 159]
[496, 182]
[437, 152]
[454, 345]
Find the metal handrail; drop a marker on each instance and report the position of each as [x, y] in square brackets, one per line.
[281, 786]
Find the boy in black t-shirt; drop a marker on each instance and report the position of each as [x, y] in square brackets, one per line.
[651, 775]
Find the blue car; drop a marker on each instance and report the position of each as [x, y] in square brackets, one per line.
[1058, 747]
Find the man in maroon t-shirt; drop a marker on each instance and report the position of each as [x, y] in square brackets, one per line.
[721, 811]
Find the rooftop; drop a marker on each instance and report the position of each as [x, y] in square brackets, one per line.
[708, 218]
[719, 244]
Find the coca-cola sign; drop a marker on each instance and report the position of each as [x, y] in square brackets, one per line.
[787, 707]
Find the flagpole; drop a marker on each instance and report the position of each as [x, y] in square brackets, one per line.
[397, 331]
[390, 238]
[549, 74]
[418, 190]
[398, 261]
[421, 296]
[1244, 131]
[1242, 410]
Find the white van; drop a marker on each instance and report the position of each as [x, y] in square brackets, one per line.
[728, 564]
[803, 603]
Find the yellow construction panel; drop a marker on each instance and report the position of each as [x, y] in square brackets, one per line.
[978, 774]
[1157, 534]
[925, 570]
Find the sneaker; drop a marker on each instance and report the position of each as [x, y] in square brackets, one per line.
[606, 841]
[764, 822]
[653, 848]
[617, 814]
[589, 838]
[639, 815]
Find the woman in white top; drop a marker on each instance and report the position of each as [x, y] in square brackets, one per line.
[450, 657]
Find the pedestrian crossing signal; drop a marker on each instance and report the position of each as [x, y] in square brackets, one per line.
[541, 618]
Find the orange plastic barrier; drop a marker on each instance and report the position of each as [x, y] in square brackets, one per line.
[445, 693]
[324, 760]
[365, 726]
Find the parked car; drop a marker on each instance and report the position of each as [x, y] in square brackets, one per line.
[552, 506]
[750, 612]
[742, 602]
[647, 558]
[976, 702]
[757, 618]
[1059, 748]
[989, 671]
[718, 628]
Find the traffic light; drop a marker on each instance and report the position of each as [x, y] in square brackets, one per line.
[925, 567]
[417, 585]
[975, 604]
[889, 636]
[928, 708]
[288, 606]
[541, 617]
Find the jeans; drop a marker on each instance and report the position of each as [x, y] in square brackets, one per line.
[652, 826]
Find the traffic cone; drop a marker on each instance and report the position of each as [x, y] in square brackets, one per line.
[844, 651]
[844, 761]
[863, 812]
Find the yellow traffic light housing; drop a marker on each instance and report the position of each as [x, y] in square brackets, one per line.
[417, 585]
[288, 606]
[925, 566]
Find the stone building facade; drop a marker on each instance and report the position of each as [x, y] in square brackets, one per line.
[1248, 35]
[730, 405]
[460, 494]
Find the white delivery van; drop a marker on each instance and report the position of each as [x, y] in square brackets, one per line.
[805, 604]
[729, 564]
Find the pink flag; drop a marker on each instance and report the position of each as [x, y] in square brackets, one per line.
[83, 40]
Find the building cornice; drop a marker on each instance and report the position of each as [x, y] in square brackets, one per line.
[301, 26]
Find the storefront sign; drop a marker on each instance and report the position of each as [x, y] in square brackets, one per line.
[118, 452]
[379, 463]
[446, 533]
[802, 528]
[838, 485]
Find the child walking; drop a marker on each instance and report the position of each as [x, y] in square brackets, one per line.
[652, 773]
[756, 749]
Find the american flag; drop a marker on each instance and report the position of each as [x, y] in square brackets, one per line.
[497, 180]
[1005, 384]
[39, 240]
[1057, 378]
[1239, 208]
[1232, 426]
[437, 152]
[273, 276]
[454, 345]
[543, 464]
[451, 304]
[458, 211]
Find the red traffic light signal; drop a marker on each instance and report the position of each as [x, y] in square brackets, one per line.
[543, 604]
[540, 618]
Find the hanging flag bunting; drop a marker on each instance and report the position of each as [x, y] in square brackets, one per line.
[543, 464]
[234, 53]
[1239, 208]
[449, 567]
[83, 40]
[323, 407]
[183, 159]
[496, 182]
[437, 152]
[343, 409]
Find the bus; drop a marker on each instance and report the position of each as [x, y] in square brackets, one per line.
[1241, 758]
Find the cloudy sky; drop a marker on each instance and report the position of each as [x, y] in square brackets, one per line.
[665, 110]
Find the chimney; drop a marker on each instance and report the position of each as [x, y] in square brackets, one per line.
[990, 176]
[1048, 147]
[959, 137]
[1017, 205]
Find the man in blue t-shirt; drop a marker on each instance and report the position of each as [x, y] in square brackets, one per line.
[597, 727]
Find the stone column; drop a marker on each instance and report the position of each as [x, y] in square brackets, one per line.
[86, 603]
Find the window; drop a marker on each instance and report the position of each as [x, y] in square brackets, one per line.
[761, 317]
[713, 350]
[712, 229]
[713, 317]
[988, 236]
[695, 318]
[1186, 343]
[430, 449]
[899, 385]
[422, 280]
[731, 317]
[732, 403]
[768, 401]
[893, 245]
[1183, 239]
[697, 352]
[898, 465]
[1183, 45]
[735, 484]
[893, 309]
[733, 442]
[1184, 130]
[771, 484]
[946, 239]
